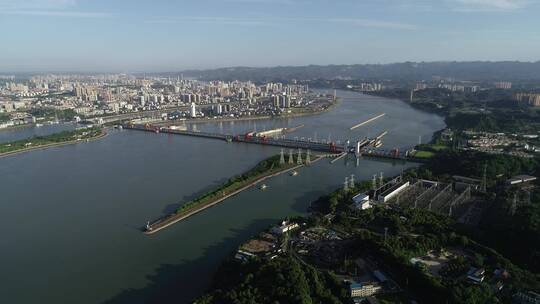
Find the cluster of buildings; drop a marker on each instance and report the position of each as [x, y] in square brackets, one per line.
[91, 96]
[267, 244]
[532, 99]
[505, 85]
[501, 143]
[457, 87]
[448, 84]
[460, 86]
[382, 192]
[367, 87]
[18, 119]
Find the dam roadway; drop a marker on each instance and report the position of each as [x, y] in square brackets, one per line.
[366, 147]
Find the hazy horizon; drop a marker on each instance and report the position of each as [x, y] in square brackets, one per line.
[167, 71]
[160, 36]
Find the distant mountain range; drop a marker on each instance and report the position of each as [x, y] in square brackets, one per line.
[408, 71]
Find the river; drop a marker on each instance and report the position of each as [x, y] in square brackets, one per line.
[72, 215]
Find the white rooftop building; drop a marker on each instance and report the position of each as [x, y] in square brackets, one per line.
[362, 201]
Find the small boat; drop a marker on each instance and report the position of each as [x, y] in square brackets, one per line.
[263, 187]
[294, 173]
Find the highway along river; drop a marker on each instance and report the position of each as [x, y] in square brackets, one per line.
[71, 215]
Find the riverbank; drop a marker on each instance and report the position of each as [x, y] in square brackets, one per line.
[250, 118]
[101, 134]
[17, 127]
[180, 215]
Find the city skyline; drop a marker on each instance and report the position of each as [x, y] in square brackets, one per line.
[122, 36]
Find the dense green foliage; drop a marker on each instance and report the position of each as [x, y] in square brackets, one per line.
[487, 110]
[414, 232]
[266, 167]
[4, 117]
[470, 163]
[281, 280]
[65, 115]
[499, 225]
[38, 141]
[339, 200]
[503, 120]
[411, 233]
[406, 71]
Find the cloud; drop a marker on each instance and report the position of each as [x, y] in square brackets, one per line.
[209, 20]
[442, 6]
[72, 14]
[16, 5]
[357, 22]
[46, 8]
[369, 23]
[490, 5]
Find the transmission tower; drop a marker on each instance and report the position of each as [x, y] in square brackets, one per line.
[381, 180]
[291, 158]
[351, 181]
[308, 157]
[484, 179]
[513, 206]
[346, 184]
[282, 157]
[374, 182]
[299, 158]
[527, 197]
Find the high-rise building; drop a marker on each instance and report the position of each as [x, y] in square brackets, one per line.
[503, 85]
[532, 99]
[193, 110]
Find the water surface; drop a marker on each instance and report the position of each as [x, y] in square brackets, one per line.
[72, 214]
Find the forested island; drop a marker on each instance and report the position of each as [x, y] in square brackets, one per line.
[57, 139]
[265, 169]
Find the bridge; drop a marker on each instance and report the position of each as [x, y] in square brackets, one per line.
[367, 147]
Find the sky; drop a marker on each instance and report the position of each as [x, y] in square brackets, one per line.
[167, 35]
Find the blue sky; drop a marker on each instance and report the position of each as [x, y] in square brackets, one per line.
[166, 35]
